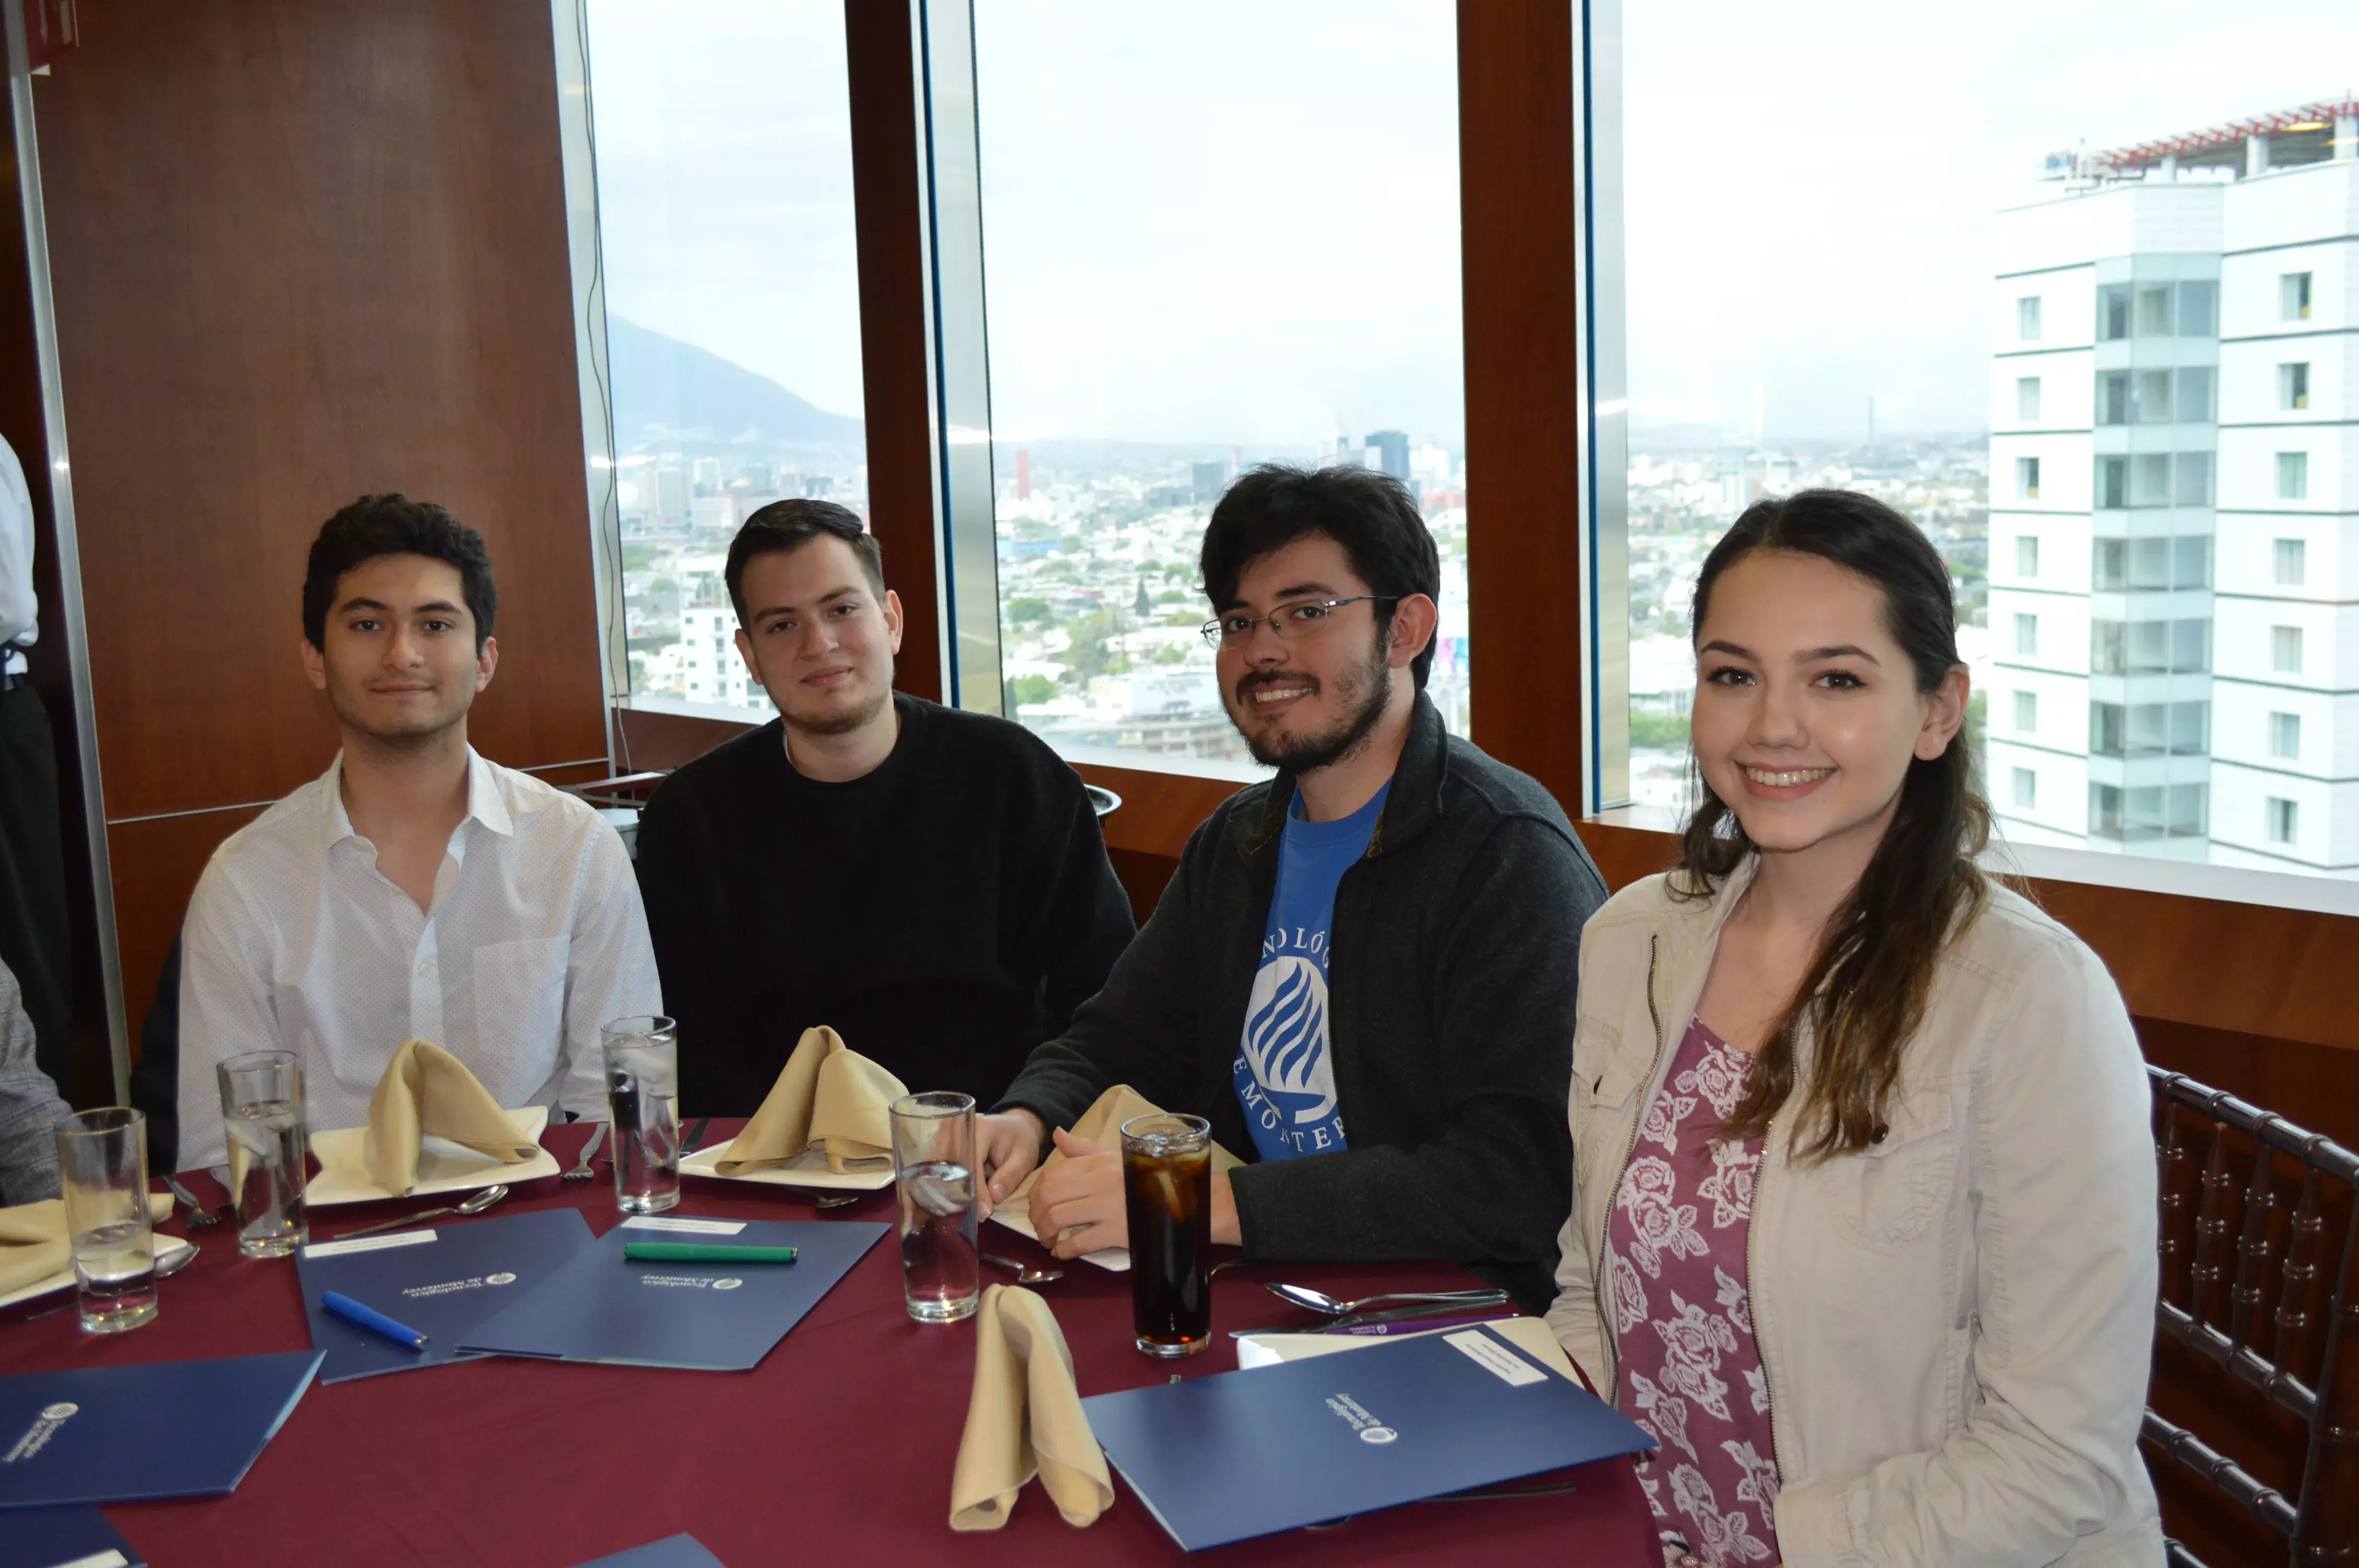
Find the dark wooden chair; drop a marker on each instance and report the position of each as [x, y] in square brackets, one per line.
[2260, 1231]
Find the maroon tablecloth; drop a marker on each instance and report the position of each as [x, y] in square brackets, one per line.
[836, 1450]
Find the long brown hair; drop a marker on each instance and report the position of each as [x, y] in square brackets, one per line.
[1863, 993]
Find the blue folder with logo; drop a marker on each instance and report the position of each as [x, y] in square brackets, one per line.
[708, 1317]
[671, 1552]
[442, 1282]
[121, 1434]
[1246, 1453]
[64, 1538]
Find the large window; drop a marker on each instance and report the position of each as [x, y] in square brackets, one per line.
[2027, 320]
[1217, 234]
[722, 140]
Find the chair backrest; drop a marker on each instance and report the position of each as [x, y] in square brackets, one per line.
[2259, 1233]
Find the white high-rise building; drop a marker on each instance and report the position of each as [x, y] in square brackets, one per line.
[2174, 531]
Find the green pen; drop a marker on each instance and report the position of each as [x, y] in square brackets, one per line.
[703, 1252]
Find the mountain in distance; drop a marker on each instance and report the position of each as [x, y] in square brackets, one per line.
[660, 380]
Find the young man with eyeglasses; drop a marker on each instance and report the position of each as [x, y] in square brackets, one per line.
[929, 882]
[1361, 972]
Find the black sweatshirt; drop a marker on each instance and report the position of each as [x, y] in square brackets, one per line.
[1455, 951]
[944, 914]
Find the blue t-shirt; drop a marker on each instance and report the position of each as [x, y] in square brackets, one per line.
[1285, 1071]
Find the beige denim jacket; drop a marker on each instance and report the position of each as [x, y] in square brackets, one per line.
[1956, 1325]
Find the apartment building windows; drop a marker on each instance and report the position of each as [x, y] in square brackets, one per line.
[2191, 479]
[2195, 394]
[2284, 737]
[2185, 310]
[2293, 476]
[2026, 712]
[2112, 483]
[2292, 565]
[2293, 387]
[2027, 554]
[2149, 647]
[2293, 296]
[2285, 650]
[2027, 478]
[2114, 398]
[2150, 396]
[2284, 816]
[2149, 811]
[2027, 789]
[2026, 636]
[2150, 728]
[2027, 319]
[2027, 398]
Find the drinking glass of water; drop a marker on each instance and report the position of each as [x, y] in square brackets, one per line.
[933, 1164]
[261, 1110]
[103, 1159]
[643, 1105]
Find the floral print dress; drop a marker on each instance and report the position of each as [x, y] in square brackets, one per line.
[1683, 1318]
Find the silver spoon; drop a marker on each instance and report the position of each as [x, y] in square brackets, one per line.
[1326, 1305]
[474, 1204]
[1026, 1274]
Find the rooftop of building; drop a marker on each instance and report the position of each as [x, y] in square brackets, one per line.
[2304, 134]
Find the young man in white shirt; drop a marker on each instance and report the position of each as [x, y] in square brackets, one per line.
[415, 889]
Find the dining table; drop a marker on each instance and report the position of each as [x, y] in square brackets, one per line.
[837, 1449]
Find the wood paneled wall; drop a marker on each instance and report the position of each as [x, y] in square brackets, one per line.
[1520, 249]
[303, 249]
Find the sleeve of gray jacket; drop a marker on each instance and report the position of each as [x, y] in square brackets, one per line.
[18, 608]
[1496, 1184]
[2064, 1287]
[29, 1107]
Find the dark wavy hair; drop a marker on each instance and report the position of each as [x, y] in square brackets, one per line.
[1370, 515]
[393, 524]
[1863, 994]
[783, 527]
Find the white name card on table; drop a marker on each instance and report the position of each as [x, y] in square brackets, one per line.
[368, 1244]
[681, 1223]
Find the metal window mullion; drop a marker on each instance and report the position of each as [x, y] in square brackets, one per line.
[959, 357]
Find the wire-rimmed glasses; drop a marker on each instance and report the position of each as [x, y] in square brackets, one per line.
[1302, 617]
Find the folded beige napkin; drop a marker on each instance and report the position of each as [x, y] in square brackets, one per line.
[33, 1241]
[427, 1090]
[829, 1097]
[1102, 1125]
[1024, 1419]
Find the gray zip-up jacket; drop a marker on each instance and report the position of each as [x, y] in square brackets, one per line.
[1455, 949]
[1954, 1325]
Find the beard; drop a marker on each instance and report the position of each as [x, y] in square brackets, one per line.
[1360, 697]
[842, 722]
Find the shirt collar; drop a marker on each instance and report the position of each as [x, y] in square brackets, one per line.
[484, 803]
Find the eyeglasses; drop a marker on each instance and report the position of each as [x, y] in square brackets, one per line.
[1303, 617]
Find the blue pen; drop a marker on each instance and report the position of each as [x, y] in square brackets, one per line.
[376, 1322]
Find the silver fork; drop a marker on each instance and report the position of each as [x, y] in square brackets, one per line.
[198, 1216]
[581, 1171]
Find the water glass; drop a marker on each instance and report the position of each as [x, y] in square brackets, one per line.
[643, 1109]
[1167, 1189]
[933, 1168]
[262, 1111]
[102, 1159]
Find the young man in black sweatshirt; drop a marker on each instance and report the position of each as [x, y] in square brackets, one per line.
[929, 882]
[1363, 971]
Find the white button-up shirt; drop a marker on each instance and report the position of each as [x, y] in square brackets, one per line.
[295, 941]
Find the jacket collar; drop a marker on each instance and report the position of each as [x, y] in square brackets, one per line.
[1680, 964]
[1413, 806]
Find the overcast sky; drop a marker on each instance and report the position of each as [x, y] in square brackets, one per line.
[1236, 220]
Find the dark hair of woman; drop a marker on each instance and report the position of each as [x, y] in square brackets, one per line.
[1865, 991]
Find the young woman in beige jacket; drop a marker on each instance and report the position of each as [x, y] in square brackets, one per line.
[1863, 1215]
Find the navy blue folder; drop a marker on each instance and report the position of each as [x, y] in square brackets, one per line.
[707, 1317]
[1246, 1453]
[54, 1537]
[120, 1434]
[671, 1552]
[443, 1288]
